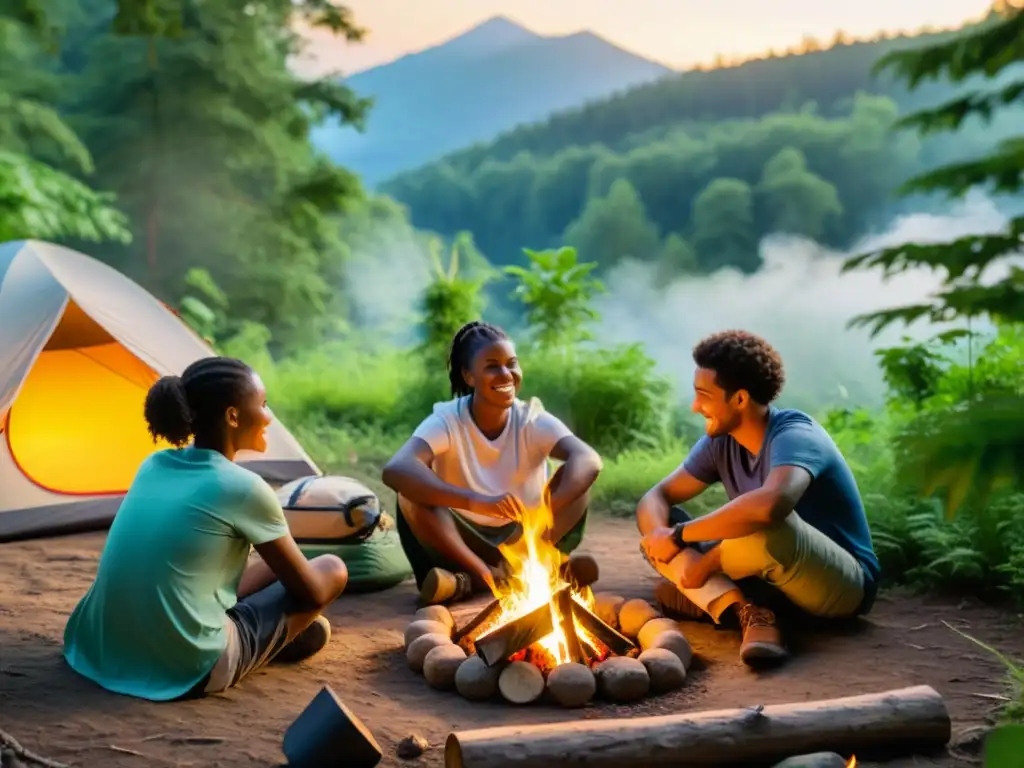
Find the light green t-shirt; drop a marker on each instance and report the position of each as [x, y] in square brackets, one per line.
[152, 623]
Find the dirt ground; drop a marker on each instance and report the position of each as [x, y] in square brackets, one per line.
[58, 715]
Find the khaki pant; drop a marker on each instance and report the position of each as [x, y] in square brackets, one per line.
[807, 567]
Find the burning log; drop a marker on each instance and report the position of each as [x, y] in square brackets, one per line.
[899, 721]
[618, 644]
[563, 607]
[490, 610]
[517, 635]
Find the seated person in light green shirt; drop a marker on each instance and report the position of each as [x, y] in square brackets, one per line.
[176, 610]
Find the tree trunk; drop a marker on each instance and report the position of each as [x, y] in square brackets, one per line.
[895, 722]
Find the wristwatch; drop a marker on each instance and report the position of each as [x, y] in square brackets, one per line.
[677, 535]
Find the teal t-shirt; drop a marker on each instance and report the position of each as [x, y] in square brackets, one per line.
[152, 623]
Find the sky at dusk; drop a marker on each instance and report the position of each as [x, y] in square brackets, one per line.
[677, 33]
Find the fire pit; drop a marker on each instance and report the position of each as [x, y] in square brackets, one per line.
[546, 631]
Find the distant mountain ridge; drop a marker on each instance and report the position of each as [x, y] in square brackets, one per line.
[827, 77]
[472, 88]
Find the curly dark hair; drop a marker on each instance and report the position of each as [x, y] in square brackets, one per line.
[742, 360]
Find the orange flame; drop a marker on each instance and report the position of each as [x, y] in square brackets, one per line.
[852, 762]
[533, 580]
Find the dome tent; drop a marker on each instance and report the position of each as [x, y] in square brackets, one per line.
[80, 345]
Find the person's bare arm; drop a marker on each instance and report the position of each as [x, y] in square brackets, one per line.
[653, 510]
[303, 582]
[580, 470]
[257, 576]
[409, 473]
[753, 511]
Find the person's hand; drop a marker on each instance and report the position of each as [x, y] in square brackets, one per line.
[693, 574]
[503, 507]
[495, 577]
[660, 545]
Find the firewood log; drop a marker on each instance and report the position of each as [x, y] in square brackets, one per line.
[521, 682]
[905, 721]
[520, 633]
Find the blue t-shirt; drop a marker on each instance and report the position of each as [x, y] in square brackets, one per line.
[152, 623]
[831, 503]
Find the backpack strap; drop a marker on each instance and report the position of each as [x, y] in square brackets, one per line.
[303, 484]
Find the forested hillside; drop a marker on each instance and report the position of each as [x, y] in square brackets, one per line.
[692, 171]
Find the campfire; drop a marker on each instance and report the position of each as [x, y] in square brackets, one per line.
[545, 630]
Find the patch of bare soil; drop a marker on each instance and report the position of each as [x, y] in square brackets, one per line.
[53, 712]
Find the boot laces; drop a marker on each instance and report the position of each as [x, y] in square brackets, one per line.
[755, 616]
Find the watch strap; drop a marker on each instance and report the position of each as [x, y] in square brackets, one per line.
[677, 535]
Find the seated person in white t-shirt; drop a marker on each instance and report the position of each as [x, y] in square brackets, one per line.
[471, 468]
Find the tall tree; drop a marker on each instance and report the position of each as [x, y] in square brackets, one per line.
[797, 201]
[39, 152]
[723, 226]
[976, 448]
[615, 227]
[198, 123]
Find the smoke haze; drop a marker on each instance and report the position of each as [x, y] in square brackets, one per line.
[798, 301]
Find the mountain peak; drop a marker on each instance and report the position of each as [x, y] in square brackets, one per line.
[495, 34]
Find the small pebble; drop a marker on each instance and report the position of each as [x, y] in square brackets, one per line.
[412, 746]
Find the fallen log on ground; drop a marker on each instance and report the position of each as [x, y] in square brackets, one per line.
[901, 721]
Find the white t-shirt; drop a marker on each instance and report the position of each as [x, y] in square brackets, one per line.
[515, 462]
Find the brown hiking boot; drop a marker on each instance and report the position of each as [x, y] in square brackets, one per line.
[762, 640]
[675, 605]
[441, 587]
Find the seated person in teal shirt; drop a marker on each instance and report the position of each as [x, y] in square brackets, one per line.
[176, 610]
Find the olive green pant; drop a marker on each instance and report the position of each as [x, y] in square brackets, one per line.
[793, 561]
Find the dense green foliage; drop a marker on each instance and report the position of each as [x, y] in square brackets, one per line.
[975, 448]
[965, 440]
[39, 153]
[186, 115]
[694, 170]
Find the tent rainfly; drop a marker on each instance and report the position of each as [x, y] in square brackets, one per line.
[80, 345]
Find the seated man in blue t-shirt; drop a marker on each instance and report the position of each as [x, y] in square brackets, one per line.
[794, 533]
